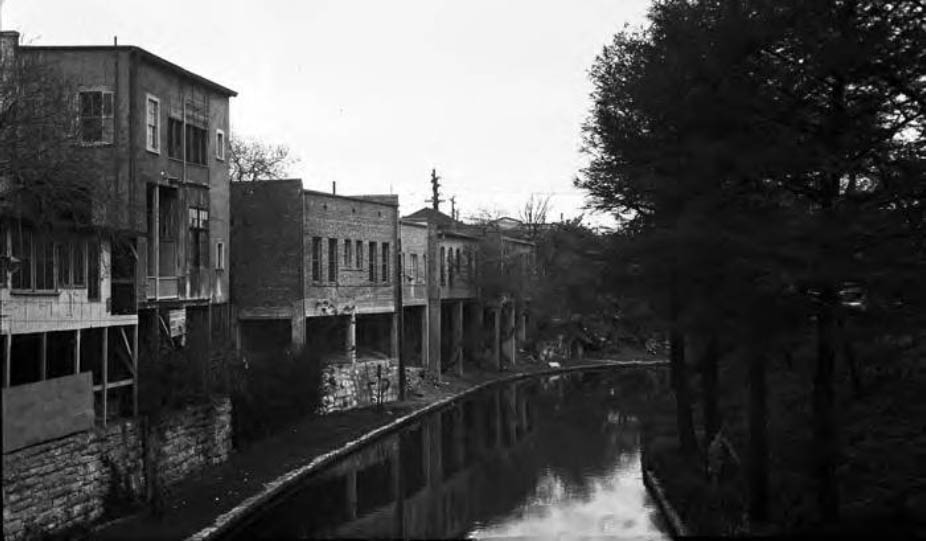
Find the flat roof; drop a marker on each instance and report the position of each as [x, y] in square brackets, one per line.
[147, 55]
[357, 198]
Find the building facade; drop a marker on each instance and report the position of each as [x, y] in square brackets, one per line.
[80, 298]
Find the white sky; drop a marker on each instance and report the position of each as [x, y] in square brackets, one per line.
[373, 94]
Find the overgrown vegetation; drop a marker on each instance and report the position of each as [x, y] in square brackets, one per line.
[273, 391]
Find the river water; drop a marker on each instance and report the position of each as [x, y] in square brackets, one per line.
[550, 457]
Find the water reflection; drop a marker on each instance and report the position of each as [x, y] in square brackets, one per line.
[557, 457]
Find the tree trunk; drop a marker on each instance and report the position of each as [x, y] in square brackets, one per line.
[848, 353]
[824, 416]
[683, 410]
[709, 391]
[758, 440]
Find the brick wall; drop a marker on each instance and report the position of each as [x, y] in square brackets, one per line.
[349, 218]
[66, 483]
[346, 386]
[266, 236]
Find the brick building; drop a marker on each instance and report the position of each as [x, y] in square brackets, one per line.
[319, 270]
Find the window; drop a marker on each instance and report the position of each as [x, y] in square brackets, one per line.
[93, 270]
[22, 250]
[195, 144]
[96, 116]
[79, 252]
[372, 261]
[153, 124]
[415, 273]
[316, 259]
[348, 252]
[199, 237]
[443, 268]
[64, 264]
[220, 145]
[220, 255]
[385, 275]
[359, 245]
[457, 263]
[332, 260]
[450, 267]
[175, 138]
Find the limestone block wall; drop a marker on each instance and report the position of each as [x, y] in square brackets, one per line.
[346, 386]
[69, 482]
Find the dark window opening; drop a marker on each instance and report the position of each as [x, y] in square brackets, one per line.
[93, 270]
[443, 271]
[385, 276]
[372, 261]
[332, 260]
[316, 259]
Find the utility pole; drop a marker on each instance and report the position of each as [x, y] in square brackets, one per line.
[435, 191]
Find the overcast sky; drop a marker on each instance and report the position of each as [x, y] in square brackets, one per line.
[373, 94]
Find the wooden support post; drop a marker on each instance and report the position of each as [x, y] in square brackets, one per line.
[496, 340]
[43, 358]
[425, 337]
[105, 371]
[352, 338]
[7, 353]
[298, 326]
[458, 335]
[135, 370]
[510, 331]
[77, 351]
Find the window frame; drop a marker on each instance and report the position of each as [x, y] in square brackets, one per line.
[219, 255]
[156, 149]
[332, 260]
[220, 145]
[106, 135]
[385, 262]
[316, 260]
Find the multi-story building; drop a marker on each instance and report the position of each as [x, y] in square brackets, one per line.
[79, 299]
[318, 271]
[454, 311]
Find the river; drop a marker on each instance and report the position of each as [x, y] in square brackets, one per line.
[551, 457]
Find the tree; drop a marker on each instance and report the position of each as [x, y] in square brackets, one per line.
[534, 214]
[787, 137]
[46, 176]
[253, 160]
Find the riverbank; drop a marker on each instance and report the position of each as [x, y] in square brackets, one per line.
[196, 504]
[883, 489]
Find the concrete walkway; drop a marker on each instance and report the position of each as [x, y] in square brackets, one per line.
[195, 507]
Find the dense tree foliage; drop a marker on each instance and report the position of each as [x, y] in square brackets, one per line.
[766, 160]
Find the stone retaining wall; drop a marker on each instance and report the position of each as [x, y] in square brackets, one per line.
[346, 386]
[72, 481]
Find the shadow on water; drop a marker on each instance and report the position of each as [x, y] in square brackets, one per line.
[556, 456]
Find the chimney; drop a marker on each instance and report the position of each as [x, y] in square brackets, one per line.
[334, 187]
[9, 42]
